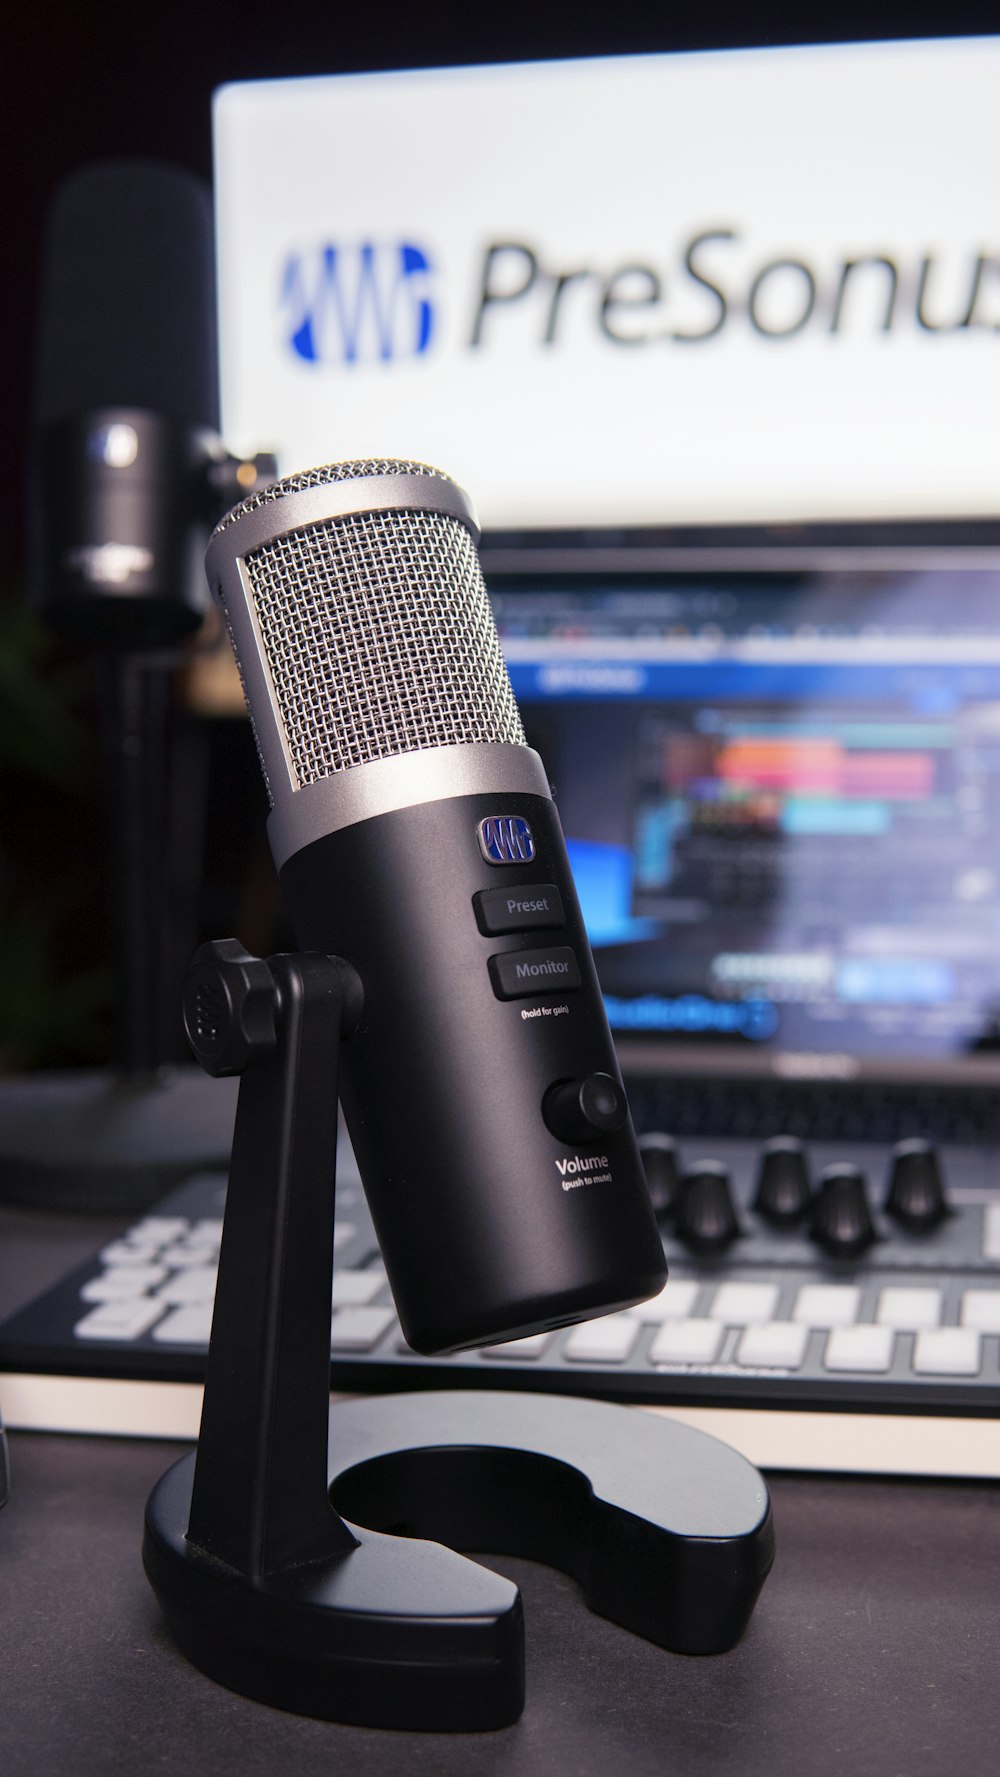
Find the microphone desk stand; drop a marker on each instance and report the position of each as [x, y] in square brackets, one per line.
[264, 1585]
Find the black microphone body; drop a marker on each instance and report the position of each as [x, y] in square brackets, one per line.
[118, 553]
[128, 470]
[480, 1087]
[490, 1224]
[125, 413]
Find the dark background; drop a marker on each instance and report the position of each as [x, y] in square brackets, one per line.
[81, 82]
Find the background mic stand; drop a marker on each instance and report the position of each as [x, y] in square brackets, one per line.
[265, 1587]
[112, 1139]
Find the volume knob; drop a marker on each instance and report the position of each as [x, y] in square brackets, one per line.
[916, 1195]
[583, 1110]
[842, 1220]
[706, 1214]
[783, 1190]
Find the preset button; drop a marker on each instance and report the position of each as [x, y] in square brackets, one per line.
[519, 973]
[519, 909]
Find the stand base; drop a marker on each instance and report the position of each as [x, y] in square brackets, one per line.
[89, 1140]
[667, 1531]
[394, 1635]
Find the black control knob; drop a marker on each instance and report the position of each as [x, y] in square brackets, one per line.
[229, 1008]
[706, 1214]
[916, 1196]
[784, 1192]
[842, 1221]
[659, 1160]
[584, 1110]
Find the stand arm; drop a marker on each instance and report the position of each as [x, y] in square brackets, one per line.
[260, 1497]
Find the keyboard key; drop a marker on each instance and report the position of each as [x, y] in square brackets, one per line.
[185, 1253]
[160, 1229]
[745, 1304]
[991, 1231]
[189, 1325]
[121, 1320]
[947, 1351]
[981, 1309]
[909, 1310]
[531, 1346]
[779, 1345]
[687, 1342]
[130, 1252]
[352, 1289]
[122, 1282]
[207, 1231]
[342, 1234]
[605, 1341]
[826, 1305]
[197, 1284]
[358, 1329]
[675, 1301]
[866, 1349]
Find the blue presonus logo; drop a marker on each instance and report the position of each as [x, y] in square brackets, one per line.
[506, 839]
[362, 303]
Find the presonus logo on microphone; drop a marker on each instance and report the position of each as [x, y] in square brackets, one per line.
[506, 839]
[364, 302]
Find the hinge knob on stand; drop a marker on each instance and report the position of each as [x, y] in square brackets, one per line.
[230, 1007]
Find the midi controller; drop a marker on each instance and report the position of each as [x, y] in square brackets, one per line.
[832, 1304]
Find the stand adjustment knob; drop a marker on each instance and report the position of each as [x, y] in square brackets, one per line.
[659, 1162]
[842, 1220]
[230, 1003]
[584, 1110]
[916, 1195]
[783, 1191]
[706, 1214]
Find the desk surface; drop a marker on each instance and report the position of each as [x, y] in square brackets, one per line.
[875, 1647]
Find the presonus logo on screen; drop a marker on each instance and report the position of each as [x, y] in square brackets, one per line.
[364, 302]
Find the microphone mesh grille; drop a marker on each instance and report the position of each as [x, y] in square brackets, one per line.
[322, 477]
[379, 639]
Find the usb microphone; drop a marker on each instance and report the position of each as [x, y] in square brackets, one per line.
[416, 836]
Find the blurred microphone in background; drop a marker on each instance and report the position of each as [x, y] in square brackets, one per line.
[125, 423]
[127, 475]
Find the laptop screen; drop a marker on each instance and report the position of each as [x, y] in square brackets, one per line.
[781, 792]
[747, 286]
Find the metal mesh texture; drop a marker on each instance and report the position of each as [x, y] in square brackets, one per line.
[243, 686]
[379, 639]
[329, 472]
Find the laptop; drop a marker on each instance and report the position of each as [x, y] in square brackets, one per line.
[776, 755]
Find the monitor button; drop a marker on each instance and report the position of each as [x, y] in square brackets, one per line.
[519, 974]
